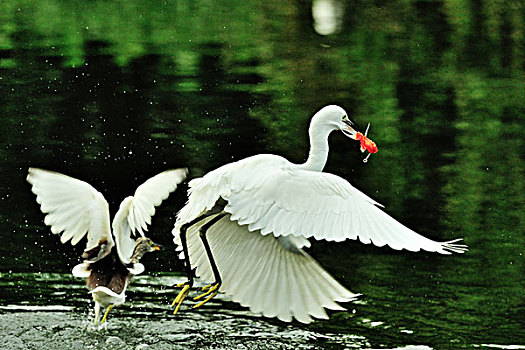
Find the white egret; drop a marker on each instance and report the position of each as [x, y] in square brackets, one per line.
[74, 208]
[246, 223]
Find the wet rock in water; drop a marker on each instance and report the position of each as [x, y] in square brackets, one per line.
[142, 347]
[176, 337]
[114, 342]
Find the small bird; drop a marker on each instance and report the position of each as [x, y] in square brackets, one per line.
[246, 224]
[74, 208]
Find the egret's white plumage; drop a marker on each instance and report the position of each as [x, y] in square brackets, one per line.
[272, 277]
[272, 208]
[74, 208]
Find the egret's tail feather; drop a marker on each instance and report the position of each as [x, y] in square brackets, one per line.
[455, 248]
[261, 273]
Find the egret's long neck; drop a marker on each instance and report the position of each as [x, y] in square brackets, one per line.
[318, 147]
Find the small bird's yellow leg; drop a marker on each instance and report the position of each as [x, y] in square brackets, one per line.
[106, 313]
[212, 290]
[97, 313]
[180, 298]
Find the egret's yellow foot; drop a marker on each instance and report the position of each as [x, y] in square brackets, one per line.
[182, 293]
[106, 313]
[212, 290]
[180, 298]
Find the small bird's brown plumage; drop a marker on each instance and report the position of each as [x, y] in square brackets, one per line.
[109, 272]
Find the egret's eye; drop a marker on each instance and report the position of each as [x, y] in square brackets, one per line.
[347, 120]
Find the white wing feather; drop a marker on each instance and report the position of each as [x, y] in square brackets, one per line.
[122, 231]
[149, 195]
[135, 212]
[323, 206]
[73, 208]
[269, 194]
[251, 264]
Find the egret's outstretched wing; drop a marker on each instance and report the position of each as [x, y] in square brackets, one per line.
[292, 201]
[260, 272]
[273, 196]
[73, 208]
[246, 174]
[135, 212]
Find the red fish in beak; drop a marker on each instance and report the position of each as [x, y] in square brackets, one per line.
[366, 143]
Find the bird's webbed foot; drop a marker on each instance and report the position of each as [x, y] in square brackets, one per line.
[210, 291]
[181, 296]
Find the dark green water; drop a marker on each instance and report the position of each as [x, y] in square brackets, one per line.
[113, 92]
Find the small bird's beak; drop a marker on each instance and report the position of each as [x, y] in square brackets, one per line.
[156, 246]
[348, 129]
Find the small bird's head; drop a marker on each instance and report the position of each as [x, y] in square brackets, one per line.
[145, 245]
[334, 118]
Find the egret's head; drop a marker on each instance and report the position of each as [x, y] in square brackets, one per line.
[334, 118]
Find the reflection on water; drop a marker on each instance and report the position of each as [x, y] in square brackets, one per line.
[120, 91]
[327, 16]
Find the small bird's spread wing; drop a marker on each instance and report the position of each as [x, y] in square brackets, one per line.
[122, 231]
[135, 212]
[273, 277]
[293, 201]
[73, 208]
[150, 194]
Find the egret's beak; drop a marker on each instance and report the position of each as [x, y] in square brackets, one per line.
[156, 246]
[348, 129]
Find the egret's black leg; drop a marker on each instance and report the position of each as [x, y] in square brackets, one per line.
[202, 233]
[212, 289]
[188, 284]
[184, 242]
[217, 209]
